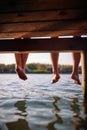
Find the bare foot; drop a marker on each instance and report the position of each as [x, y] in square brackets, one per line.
[55, 79]
[76, 79]
[20, 73]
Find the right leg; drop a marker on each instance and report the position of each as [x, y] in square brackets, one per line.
[54, 59]
[76, 60]
[20, 64]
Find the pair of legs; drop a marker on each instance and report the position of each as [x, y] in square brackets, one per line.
[21, 59]
[76, 60]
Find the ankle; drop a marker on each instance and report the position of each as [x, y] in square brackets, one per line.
[56, 75]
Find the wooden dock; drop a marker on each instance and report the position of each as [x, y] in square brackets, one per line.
[24, 22]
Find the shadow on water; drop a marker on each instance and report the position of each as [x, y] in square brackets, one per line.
[21, 124]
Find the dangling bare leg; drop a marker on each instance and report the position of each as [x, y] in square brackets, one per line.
[24, 59]
[76, 60]
[54, 59]
[20, 65]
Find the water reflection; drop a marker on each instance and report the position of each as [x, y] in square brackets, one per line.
[75, 107]
[21, 123]
[79, 121]
[58, 119]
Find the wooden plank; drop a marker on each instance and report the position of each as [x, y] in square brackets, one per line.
[52, 34]
[50, 15]
[30, 5]
[43, 45]
[44, 26]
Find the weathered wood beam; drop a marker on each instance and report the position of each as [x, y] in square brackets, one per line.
[84, 72]
[53, 44]
[46, 15]
[52, 34]
[44, 26]
[29, 18]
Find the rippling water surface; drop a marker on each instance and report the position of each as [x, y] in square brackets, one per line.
[36, 104]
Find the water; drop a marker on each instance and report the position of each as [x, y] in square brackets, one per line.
[36, 104]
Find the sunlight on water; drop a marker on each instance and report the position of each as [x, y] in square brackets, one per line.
[36, 104]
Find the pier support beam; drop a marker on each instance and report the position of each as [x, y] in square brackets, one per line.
[84, 73]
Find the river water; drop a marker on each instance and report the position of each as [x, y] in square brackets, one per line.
[36, 104]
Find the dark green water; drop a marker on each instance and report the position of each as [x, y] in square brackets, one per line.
[36, 104]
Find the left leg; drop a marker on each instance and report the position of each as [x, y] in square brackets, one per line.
[20, 64]
[54, 59]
